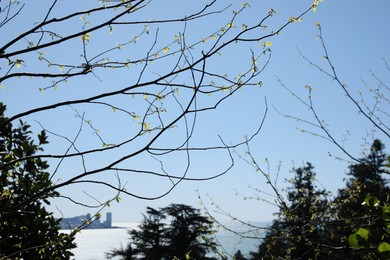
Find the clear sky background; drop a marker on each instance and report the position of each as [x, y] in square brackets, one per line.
[357, 37]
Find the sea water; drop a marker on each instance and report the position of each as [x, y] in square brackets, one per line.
[94, 244]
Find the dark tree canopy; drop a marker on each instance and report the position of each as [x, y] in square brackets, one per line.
[189, 232]
[349, 212]
[27, 229]
[239, 256]
[149, 239]
[177, 231]
[298, 230]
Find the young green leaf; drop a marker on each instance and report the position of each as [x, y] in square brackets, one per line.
[386, 213]
[383, 247]
[267, 44]
[86, 37]
[18, 63]
[359, 238]
[371, 201]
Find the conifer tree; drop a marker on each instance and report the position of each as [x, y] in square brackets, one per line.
[239, 256]
[189, 233]
[149, 240]
[297, 232]
[177, 231]
[349, 212]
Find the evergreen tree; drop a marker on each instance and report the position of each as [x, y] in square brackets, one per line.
[27, 229]
[149, 240]
[124, 253]
[239, 256]
[349, 213]
[297, 233]
[174, 232]
[188, 233]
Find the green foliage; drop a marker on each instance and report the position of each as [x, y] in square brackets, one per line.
[361, 239]
[174, 232]
[27, 230]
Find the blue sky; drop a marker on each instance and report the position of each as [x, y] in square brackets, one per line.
[357, 39]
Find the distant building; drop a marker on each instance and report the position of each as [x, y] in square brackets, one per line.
[71, 223]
